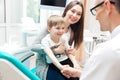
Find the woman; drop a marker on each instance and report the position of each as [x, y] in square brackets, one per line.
[73, 15]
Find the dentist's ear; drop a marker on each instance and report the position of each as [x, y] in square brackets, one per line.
[108, 6]
[48, 28]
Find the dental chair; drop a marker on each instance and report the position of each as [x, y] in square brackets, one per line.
[12, 68]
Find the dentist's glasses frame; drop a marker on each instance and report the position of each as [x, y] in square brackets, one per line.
[93, 10]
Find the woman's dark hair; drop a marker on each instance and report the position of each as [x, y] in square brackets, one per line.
[78, 27]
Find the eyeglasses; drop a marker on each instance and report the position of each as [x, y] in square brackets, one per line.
[93, 10]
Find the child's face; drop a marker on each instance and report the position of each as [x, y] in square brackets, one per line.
[57, 31]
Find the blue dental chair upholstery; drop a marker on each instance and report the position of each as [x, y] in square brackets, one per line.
[12, 68]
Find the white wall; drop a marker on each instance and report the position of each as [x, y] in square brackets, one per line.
[14, 11]
[2, 35]
[1, 11]
[90, 21]
[13, 15]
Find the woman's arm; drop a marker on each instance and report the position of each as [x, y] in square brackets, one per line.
[74, 61]
[80, 55]
[70, 52]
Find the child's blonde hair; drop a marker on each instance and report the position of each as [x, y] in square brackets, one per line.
[54, 20]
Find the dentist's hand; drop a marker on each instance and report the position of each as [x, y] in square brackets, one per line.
[71, 72]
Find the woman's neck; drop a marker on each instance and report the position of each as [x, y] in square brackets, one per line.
[67, 23]
[67, 27]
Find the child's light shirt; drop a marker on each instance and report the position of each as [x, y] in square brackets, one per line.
[47, 43]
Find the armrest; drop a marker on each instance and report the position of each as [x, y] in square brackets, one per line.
[24, 55]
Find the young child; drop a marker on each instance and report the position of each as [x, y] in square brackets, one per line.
[55, 46]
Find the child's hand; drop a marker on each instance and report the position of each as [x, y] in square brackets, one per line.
[61, 48]
[70, 51]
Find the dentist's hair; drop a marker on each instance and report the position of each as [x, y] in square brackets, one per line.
[117, 4]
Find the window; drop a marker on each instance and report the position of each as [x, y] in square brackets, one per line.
[32, 10]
